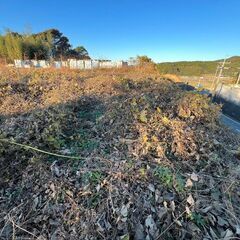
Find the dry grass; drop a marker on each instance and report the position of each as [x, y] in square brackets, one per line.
[206, 82]
[172, 77]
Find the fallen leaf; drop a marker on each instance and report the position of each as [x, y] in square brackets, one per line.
[238, 230]
[69, 193]
[151, 225]
[213, 234]
[188, 211]
[190, 200]
[125, 237]
[194, 177]
[189, 183]
[124, 210]
[139, 232]
[173, 206]
[162, 212]
[221, 222]
[151, 187]
[228, 234]
[206, 209]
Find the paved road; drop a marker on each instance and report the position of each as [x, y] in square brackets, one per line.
[231, 123]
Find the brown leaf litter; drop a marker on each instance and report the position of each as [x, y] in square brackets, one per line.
[155, 162]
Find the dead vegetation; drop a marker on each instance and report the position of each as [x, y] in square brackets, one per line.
[154, 161]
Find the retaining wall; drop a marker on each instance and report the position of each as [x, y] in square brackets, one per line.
[229, 96]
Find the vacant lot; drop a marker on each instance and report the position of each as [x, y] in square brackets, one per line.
[115, 154]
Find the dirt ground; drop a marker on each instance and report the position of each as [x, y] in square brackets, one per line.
[113, 154]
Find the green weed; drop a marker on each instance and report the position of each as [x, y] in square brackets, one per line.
[92, 177]
[198, 219]
[169, 179]
[165, 175]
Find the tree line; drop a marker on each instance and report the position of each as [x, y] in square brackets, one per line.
[50, 44]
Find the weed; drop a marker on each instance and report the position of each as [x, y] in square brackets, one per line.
[143, 172]
[165, 176]
[54, 142]
[96, 177]
[75, 165]
[85, 143]
[94, 200]
[107, 150]
[88, 145]
[179, 184]
[35, 160]
[143, 116]
[92, 177]
[198, 219]
[168, 179]
[90, 115]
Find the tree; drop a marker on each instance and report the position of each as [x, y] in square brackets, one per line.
[79, 53]
[58, 43]
[50, 44]
[3, 50]
[62, 47]
[144, 59]
[34, 47]
[13, 45]
[82, 52]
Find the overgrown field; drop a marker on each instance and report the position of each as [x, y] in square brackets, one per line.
[147, 160]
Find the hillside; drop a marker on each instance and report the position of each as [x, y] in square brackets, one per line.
[113, 154]
[199, 68]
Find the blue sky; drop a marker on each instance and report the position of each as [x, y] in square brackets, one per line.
[167, 30]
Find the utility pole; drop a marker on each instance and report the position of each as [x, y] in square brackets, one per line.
[215, 77]
[238, 80]
[219, 74]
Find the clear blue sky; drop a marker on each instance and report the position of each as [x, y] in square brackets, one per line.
[166, 30]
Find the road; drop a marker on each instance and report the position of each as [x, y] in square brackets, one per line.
[231, 123]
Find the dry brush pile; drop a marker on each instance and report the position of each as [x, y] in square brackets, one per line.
[152, 160]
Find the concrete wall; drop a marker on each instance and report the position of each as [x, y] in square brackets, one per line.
[111, 64]
[31, 63]
[71, 63]
[229, 96]
[88, 64]
[43, 64]
[18, 63]
[230, 93]
[76, 64]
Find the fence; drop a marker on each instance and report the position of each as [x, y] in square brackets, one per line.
[70, 63]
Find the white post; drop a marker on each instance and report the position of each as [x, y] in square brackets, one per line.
[238, 80]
